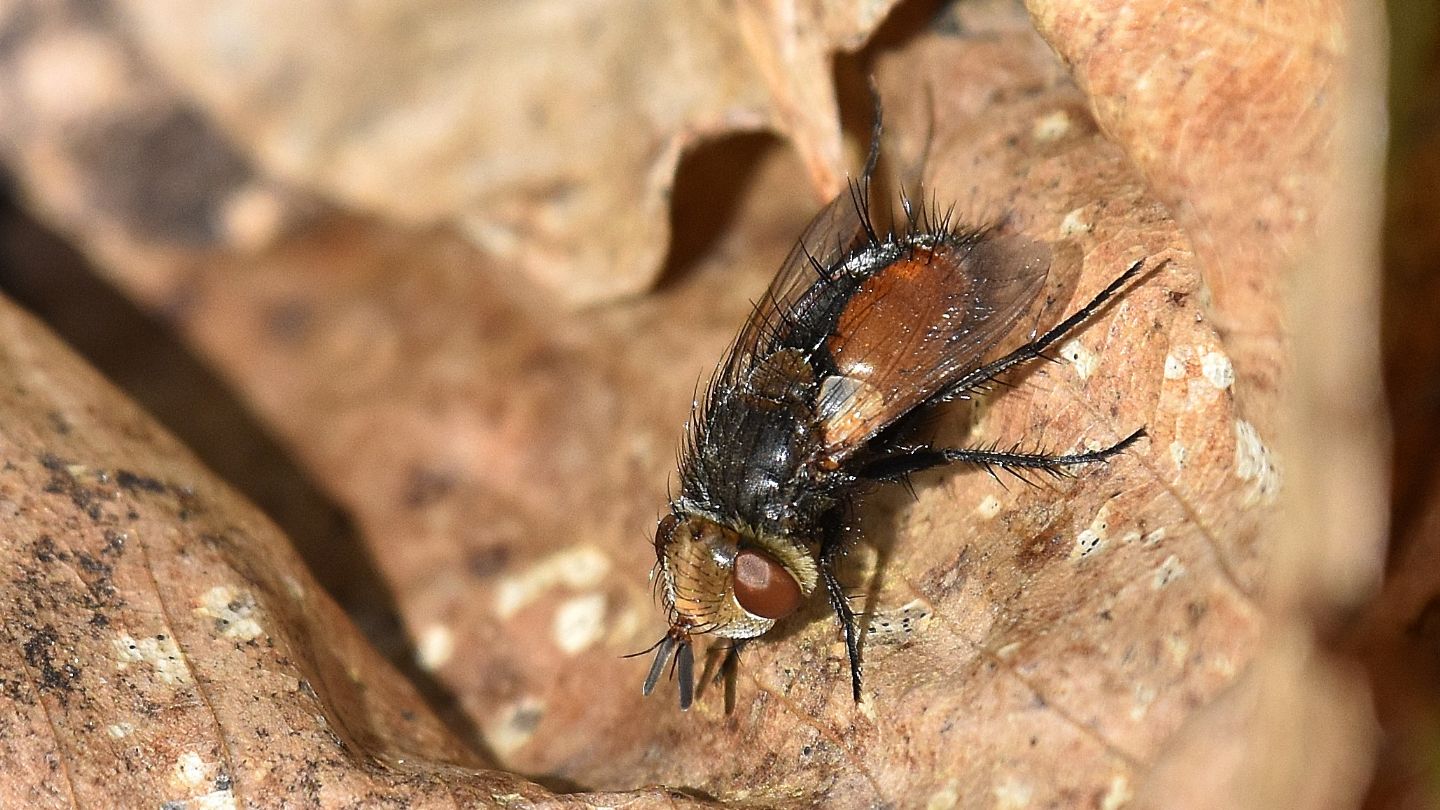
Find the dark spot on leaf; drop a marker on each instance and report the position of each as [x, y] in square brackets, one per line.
[1040, 550]
[1196, 612]
[289, 322]
[18, 25]
[426, 486]
[526, 719]
[165, 176]
[59, 423]
[131, 481]
[46, 550]
[16, 691]
[488, 561]
[92, 565]
[40, 654]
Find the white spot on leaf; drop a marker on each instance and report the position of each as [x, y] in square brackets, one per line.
[1144, 696]
[1013, 794]
[294, 588]
[1216, 368]
[989, 507]
[943, 799]
[575, 567]
[435, 647]
[1076, 222]
[1052, 127]
[234, 612]
[514, 725]
[60, 76]
[159, 652]
[1179, 453]
[1169, 571]
[214, 800]
[1178, 647]
[1119, 795]
[580, 622]
[191, 770]
[898, 626]
[1253, 464]
[1095, 537]
[1082, 359]
[1174, 367]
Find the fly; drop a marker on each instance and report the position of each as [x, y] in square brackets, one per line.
[811, 406]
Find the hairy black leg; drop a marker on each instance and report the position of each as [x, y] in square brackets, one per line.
[730, 672]
[830, 548]
[1037, 347]
[722, 664]
[902, 463]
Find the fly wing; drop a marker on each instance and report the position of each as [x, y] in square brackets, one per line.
[919, 323]
[837, 230]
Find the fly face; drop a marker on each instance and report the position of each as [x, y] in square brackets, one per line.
[716, 581]
[857, 331]
[719, 581]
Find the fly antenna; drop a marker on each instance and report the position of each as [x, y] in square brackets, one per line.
[662, 648]
[685, 658]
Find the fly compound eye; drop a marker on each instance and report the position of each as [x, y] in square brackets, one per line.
[665, 530]
[763, 587]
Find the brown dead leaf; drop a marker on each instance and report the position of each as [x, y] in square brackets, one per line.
[1398, 635]
[164, 645]
[521, 123]
[1106, 640]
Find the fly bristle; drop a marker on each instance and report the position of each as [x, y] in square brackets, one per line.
[860, 195]
[820, 270]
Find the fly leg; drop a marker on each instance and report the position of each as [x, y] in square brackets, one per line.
[896, 466]
[976, 379]
[831, 544]
[730, 672]
[722, 666]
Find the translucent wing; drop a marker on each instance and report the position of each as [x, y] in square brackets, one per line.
[919, 323]
[840, 228]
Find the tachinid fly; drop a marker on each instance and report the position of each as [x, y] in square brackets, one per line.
[858, 331]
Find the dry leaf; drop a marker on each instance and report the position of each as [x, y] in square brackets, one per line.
[1117, 638]
[461, 112]
[165, 645]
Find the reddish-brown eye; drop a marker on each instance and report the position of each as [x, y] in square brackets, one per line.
[763, 587]
[664, 530]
